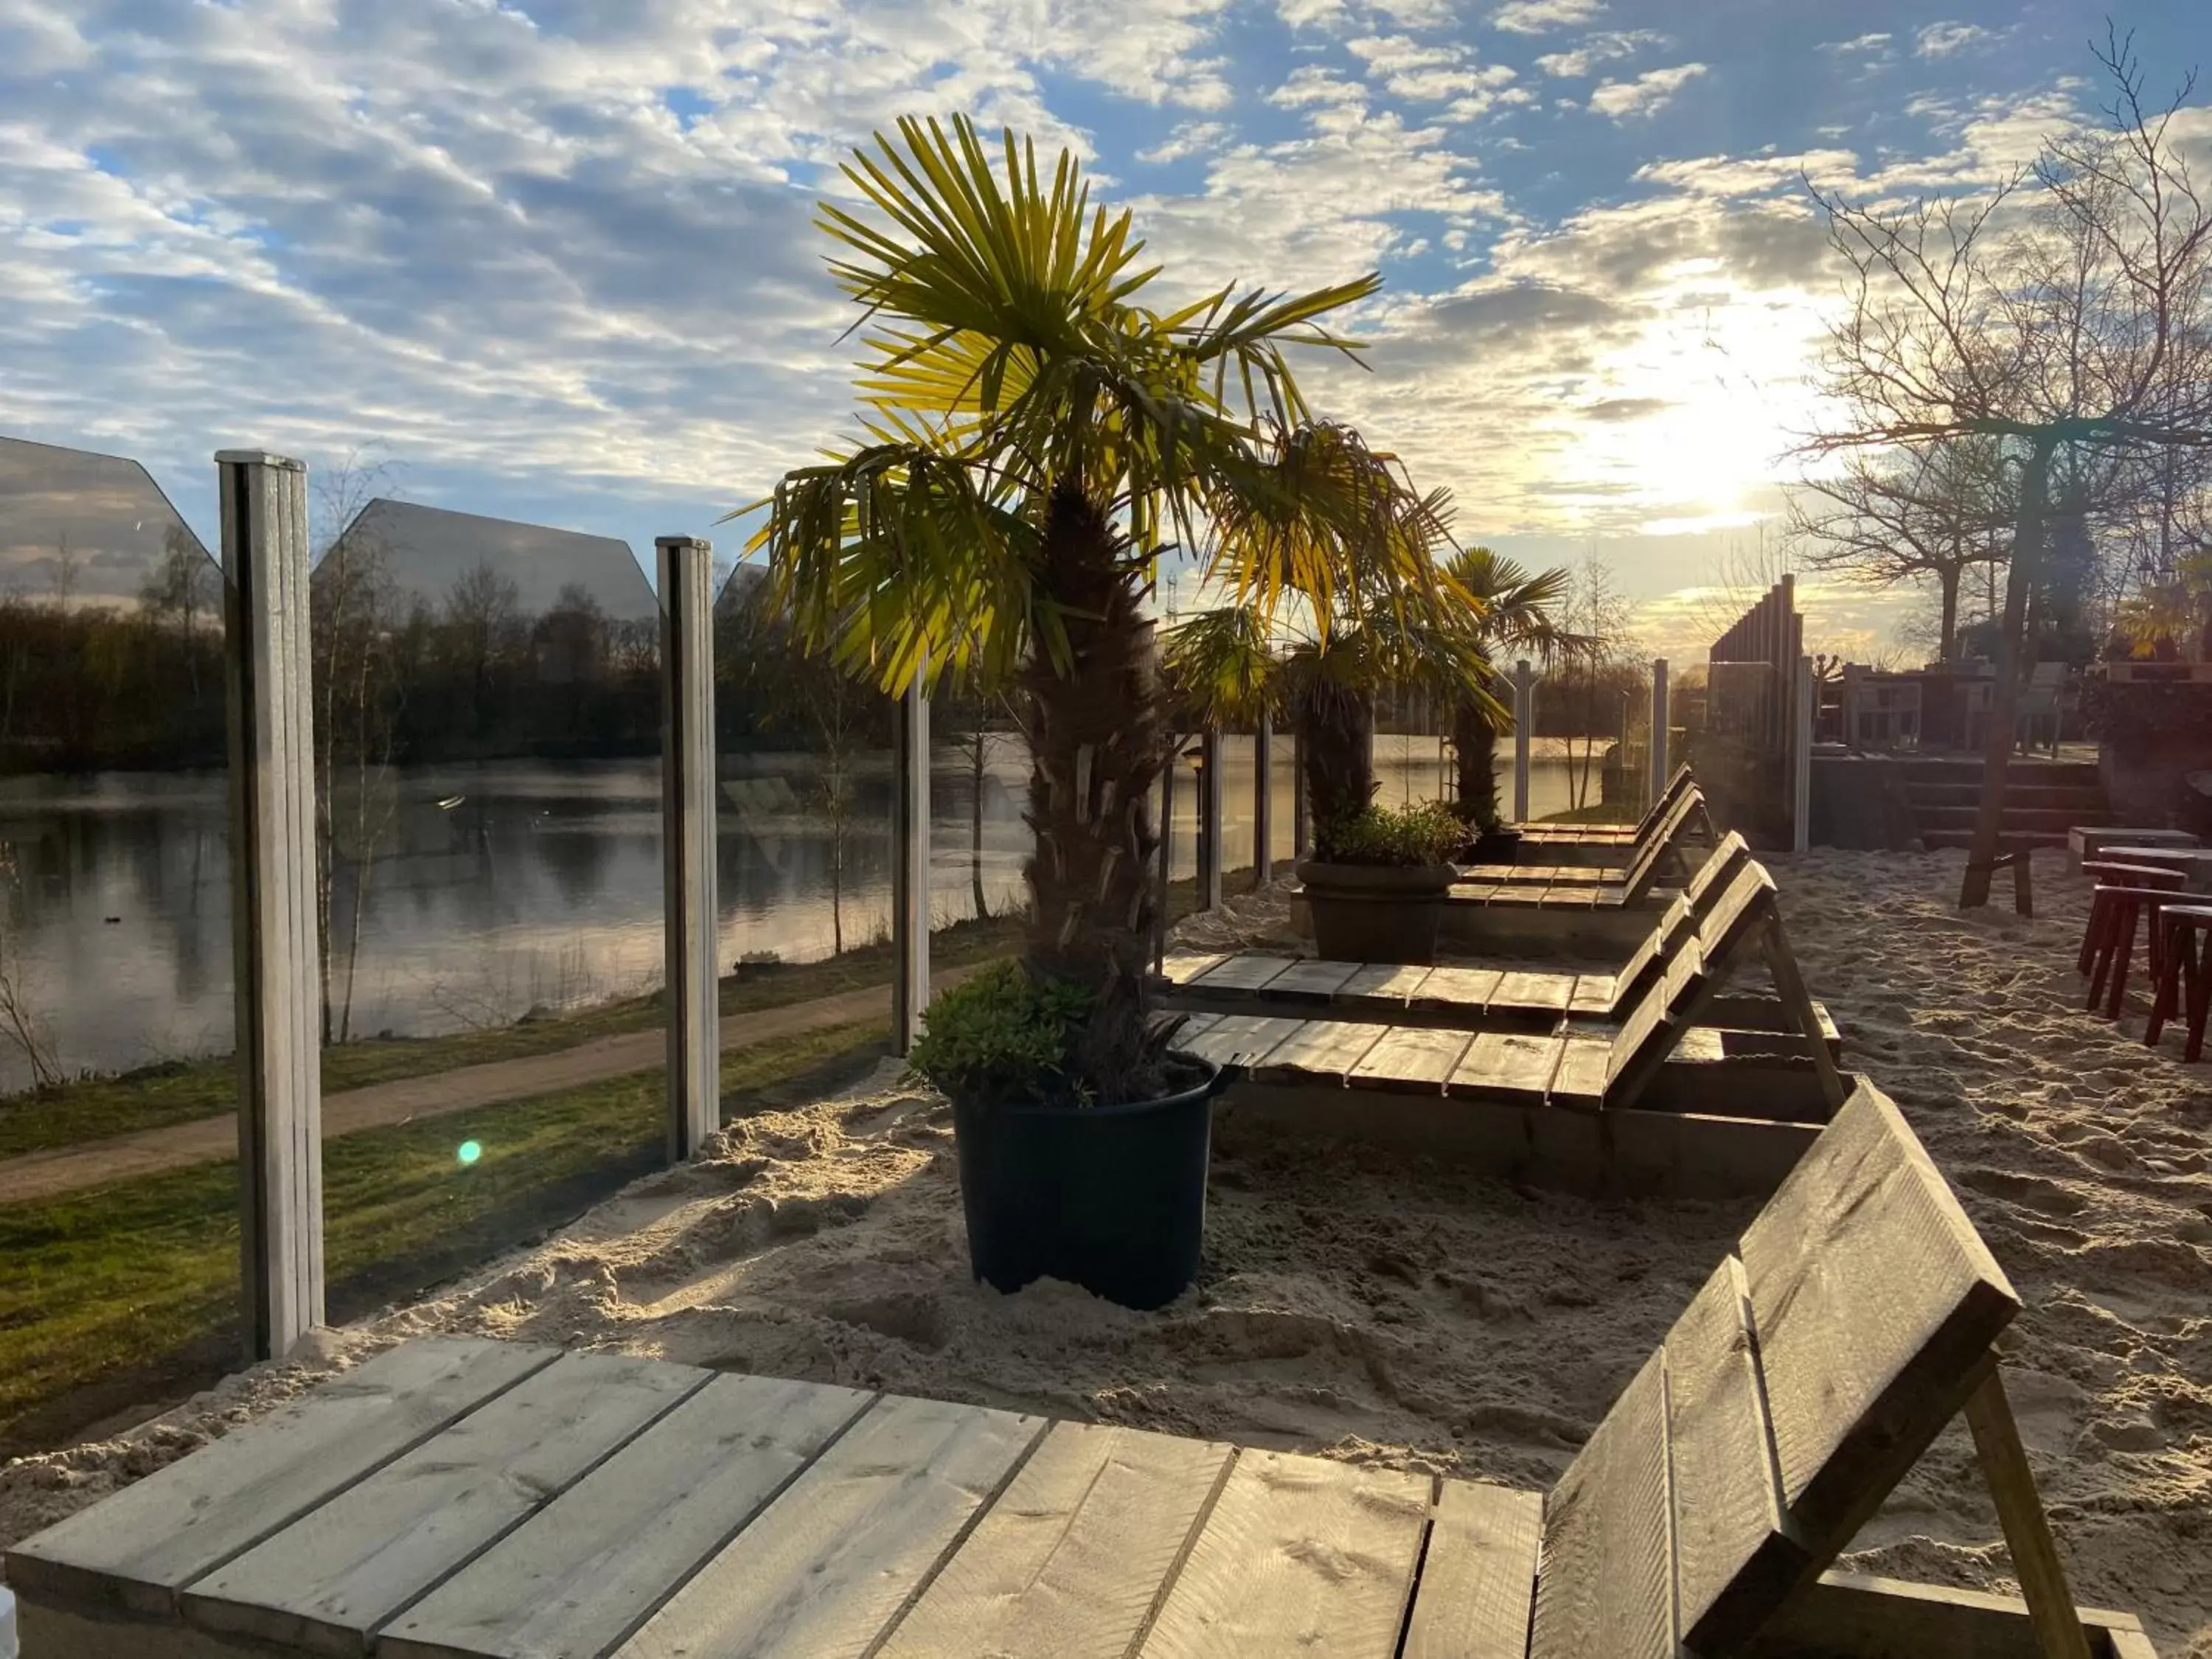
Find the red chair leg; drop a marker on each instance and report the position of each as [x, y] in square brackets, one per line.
[2117, 944]
[2200, 998]
[2121, 957]
[2098, 914]
[2166, 980]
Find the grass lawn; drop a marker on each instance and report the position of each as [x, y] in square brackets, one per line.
[127, 1295]
[180, 1091]
[1598, 812]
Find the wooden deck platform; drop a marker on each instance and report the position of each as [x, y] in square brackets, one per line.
[463, 1497]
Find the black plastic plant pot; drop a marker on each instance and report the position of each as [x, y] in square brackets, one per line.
[1111, 1198]
[1501, 846]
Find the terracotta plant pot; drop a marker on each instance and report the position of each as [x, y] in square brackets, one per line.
[1376, 913]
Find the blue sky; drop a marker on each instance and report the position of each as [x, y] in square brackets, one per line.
[552, 259]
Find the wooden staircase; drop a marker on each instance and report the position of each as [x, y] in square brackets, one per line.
[2044, 798]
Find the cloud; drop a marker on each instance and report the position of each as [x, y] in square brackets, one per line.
[1625, 408]
[1647, 94]
[1606, 47]
[1941, 40]
[1540, 16]
[1188, 139]
[1423, 73]
[1860, 45]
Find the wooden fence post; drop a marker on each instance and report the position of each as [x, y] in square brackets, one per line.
[1301, 813]
[1212, 851]
[1166, 851]
[910, 865]
[1524, 716]
[1659, 768]
[1801, 771]
[690, 914]
[1263, 804]
[269, 684]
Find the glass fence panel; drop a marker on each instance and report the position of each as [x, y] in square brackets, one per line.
[978, 787]
[115, 950]
[1283, 796]
[1239, 776]
[488, 738]
[804, 852]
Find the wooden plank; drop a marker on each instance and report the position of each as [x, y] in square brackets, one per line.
[1508, 1063]
[583, 1572]
[1310, 981]
[142, 1545]
[1240, 1039]
[1478, 1577]
[1547, 992]
[825, 1568]
[1729, 855]
[1246, 971]
[1870, 1618]
[1453, 989]
[1645, 1028]
[1075, 1555]
[1301, 1555]
[1579, 1081]
[1384, 981]
[1735, 1559]
[2026, 1530]
[1180, 967]
[1410, 1059]
[1319, 1048]
[337, 1573]
[1595, 994]
[1607, 1585]
[1673, 923]
[1874, 1301]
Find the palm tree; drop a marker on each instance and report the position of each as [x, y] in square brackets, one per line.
[1394, 616]
[1517, 614]
[1032, 436]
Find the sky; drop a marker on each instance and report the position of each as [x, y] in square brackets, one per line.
[553, 259]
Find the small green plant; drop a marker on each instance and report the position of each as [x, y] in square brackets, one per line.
[1004, 1039]
[1428, 832]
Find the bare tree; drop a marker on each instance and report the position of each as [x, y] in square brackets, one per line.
[2067, 307]
[1937, 511]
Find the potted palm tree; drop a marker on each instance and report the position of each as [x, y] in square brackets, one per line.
[1517, 612]
[1392, 616]
[1032, 434]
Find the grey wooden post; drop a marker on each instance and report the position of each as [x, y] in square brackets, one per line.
[1659, 767]
[689, 905]
[269, 684]
[1211, 843]
[1301, 813]
[1166, 851]
[1801, 770]
[910, 865]
[1524, 712]
[1263, 816]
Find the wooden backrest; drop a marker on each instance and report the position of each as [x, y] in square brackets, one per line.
[1807, 1376]
[1744, 905]
[1654, 847]
[1651, 1031]
[1729, 854]
[1657, 810]
[1674, 925]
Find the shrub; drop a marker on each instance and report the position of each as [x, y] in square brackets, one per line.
[1428, 832]
[1004, 1039]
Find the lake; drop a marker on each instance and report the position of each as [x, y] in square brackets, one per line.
[500, 888]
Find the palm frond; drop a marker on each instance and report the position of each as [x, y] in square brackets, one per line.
[1223, 664]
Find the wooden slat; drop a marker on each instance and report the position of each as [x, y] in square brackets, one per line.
[1392, 981]
[1544, 991]
[1246, 971]
[1300, 1555]
[1641, 1034]
[1594, 995]
[1239, 1039]
[1180, 967]
[1478, 1577]
[1074, 1555]
[1310, 982]
[338, 1572]
[1735, 916]
[1607, 1582]
[583, 1572]
[1720, 866]
[824, 1570]
[1874, 1301]
[1734, 1559]
[1673, 921]
[1506, 1063]
[1325, 1049]
[1579, 1082]
[147, 1541]
[1454, 989]
[1409, 1059]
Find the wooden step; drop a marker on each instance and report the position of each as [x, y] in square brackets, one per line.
[2072, 798]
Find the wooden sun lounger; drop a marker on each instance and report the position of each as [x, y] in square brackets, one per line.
[1685, 820]
[1603, 838]
[1541, 891]
[458, 1497]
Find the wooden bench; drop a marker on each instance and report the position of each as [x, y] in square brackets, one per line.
[1600, 842]
[1567, 915]
[2089, 841]
[1684, 821]
[457, 1497]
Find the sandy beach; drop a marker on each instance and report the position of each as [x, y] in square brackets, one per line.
[1385, 1308]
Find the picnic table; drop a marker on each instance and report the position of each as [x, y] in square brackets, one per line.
[2195, 863]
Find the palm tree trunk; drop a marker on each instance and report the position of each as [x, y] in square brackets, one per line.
[1098, 744]
[1340, 757]
[1946, 649]
[2004, 689]
[1475, 739]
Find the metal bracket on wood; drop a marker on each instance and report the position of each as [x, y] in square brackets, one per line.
[690, 914]
[269, 684]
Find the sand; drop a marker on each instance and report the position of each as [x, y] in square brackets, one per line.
[1388, 1309]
